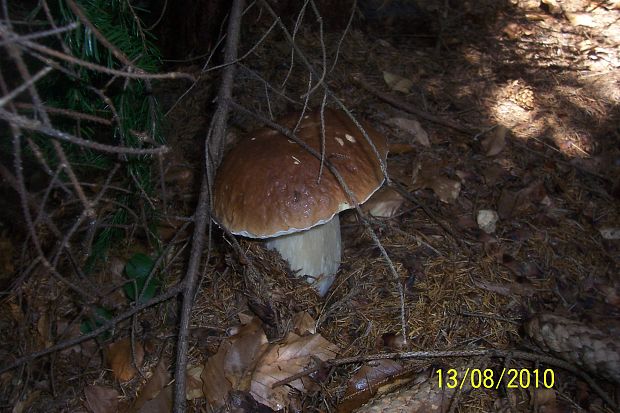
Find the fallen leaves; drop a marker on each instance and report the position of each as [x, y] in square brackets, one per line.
[100, 399]
[495, 142]
[397, 83]
[120, 358]
[412, 127]
[511, 203]
[246, 362]
[384, 203]
[156, 394]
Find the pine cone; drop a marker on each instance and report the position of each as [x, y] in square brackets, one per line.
[424, 396]
[580, 344]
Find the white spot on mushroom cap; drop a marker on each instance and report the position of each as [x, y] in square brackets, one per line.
[252, 139]
[349, 138]
[295, 160]
[340, 141]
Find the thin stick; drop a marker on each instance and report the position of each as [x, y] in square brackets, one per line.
[35, 125]
[214, 148]
[15, 92]
[171, 292]
[361, 81]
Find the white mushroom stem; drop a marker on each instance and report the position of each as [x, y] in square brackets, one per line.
[314, 253]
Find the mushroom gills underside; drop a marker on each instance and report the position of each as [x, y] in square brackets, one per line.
[314, 253]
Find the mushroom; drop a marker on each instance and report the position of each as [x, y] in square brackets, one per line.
[268, 187]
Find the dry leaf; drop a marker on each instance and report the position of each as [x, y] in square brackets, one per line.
[246, 347]
[119, 359]
[243, 402]
[283, 360]
[162, 403]
[365, 383]
[384, 203]
[412, 127]
[235, 359]
[496, 142]
[446, 189]
[543, 396]
[193, 388]
[155, 396]
[303, 324]
[215, 386]
[397, 83]
[101, 399]
[511, 202]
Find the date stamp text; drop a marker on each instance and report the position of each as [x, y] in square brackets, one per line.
[492, 379]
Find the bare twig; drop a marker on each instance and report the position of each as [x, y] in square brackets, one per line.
[15, 92]
[108, 325]
[35, 125]
[359, 79]
[42, 33]
[66, 112]
[213, 150]
[98, 68]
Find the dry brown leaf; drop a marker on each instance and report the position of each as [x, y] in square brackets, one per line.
[397, 83]
[230, 368]
[446, 189]
[495, 142]
[101, 399]
[214, 384]
[193, 388]
[384, 203]
[412, 127]
[119, 358]
[247, 346]
[283, 360]
[162, 403]
[155, 395]
[365, 383]
[303, 324]
[512, 202]
[543, 396]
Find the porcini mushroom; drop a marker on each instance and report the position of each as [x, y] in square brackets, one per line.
[268, 187]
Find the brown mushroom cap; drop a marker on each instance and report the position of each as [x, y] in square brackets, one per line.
[267, 184]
